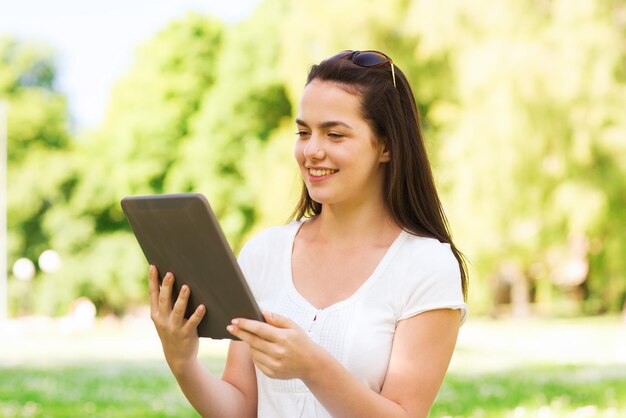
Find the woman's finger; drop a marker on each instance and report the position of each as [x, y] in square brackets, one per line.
[264, 361]
[254, 341]
[196, 317]
[165, 296]
[178, 313]
[153, 288]
[265, 331]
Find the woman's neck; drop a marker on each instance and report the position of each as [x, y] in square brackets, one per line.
[347, 226]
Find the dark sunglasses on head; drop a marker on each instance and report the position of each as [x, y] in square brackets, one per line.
[368, 59]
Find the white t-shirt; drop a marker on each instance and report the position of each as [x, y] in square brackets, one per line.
[415, 275]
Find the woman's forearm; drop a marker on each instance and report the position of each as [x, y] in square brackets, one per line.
[343, 395]
[210, 395]
[282, 350]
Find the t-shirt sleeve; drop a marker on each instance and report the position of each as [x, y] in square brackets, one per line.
[433, 281]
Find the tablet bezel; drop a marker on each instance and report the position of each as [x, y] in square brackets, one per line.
[180, 233]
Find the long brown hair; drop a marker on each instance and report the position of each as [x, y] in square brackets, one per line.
[409, 187]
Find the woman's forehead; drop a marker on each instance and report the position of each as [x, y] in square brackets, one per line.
[328, 99]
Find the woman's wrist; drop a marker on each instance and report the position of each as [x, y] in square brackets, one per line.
[181, 367]
[319, 363]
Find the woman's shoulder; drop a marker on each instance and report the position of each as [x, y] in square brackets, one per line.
[429, 254]
[426, 246]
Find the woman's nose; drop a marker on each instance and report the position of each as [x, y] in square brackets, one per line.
[314, 150]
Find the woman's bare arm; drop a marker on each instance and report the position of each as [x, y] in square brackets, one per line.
[422, 349]
[234, 395]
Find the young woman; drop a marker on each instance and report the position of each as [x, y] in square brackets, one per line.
[364, 292]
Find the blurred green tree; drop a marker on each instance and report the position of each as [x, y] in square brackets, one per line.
[39, 148]
[148, 119]
[531, 143]
[234, 123]
[198, 96]
[522, 110]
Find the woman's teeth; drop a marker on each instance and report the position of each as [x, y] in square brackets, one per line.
[318, 173]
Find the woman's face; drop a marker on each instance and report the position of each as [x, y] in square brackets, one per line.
[340, 159]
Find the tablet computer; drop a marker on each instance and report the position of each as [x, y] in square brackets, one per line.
[179, 233]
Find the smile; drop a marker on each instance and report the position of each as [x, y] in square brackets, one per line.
[319, 173]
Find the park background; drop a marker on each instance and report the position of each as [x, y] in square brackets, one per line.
[523, 107]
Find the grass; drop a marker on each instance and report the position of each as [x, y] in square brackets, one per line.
[114, 370]
[556, 368]
[114, 390]
[535, 391]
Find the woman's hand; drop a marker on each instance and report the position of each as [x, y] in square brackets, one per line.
[179, 336]
[279, 348]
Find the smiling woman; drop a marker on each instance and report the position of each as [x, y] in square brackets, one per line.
[364, 291]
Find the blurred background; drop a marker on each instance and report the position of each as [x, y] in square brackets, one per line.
[524, 111]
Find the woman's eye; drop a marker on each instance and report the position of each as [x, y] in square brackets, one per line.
[335, 135]
[302, 134]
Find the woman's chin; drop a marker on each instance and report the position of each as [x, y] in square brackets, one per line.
[325, 200]
[320, 198]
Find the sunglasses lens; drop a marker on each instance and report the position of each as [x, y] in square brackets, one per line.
[370, 59]
[366, 59]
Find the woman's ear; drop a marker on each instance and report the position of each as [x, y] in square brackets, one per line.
[385, 154]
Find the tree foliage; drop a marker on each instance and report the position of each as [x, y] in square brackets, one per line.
[536, 98]
[38, 145]
[148, 121]
[522, 109]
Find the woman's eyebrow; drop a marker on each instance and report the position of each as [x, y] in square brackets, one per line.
[301, 122]
[325, 125]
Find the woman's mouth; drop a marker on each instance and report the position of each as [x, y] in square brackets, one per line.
[317, 175]
[320, 173]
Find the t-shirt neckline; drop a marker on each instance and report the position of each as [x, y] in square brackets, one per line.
[382, 264]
